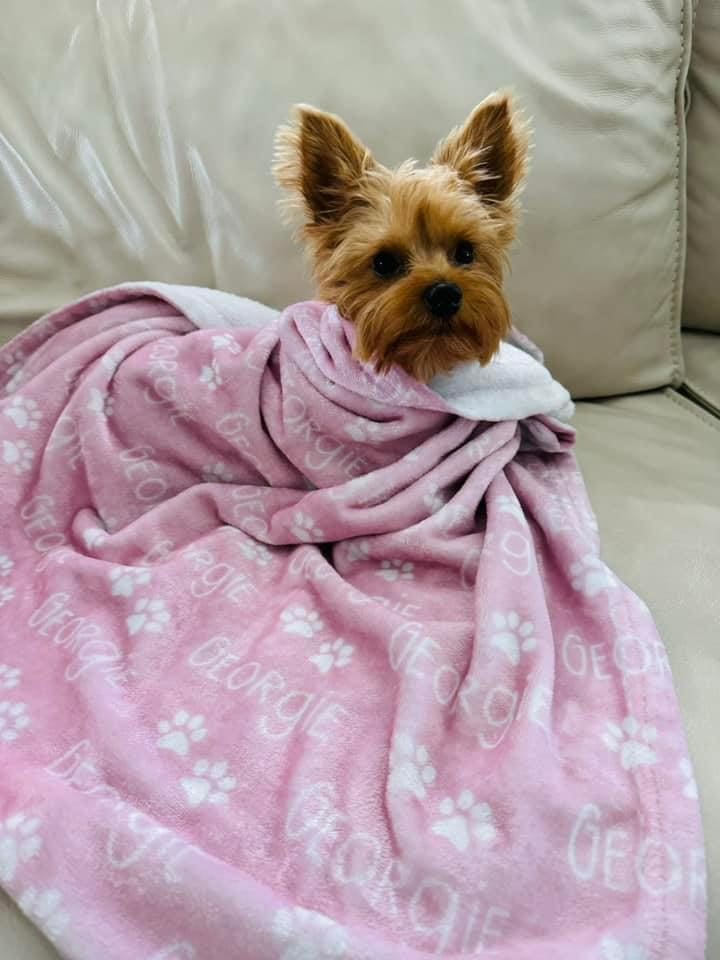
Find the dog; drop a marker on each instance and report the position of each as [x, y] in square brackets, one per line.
[414, 257]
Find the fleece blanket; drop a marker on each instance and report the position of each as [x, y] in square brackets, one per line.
[298, 661]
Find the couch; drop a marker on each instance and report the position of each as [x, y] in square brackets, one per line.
[136, 139]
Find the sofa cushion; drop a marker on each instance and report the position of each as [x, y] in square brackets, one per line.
[701, 307]
[651, 464]
[702, 369]
[137, 143]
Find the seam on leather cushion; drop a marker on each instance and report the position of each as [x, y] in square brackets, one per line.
[674, 318]
[692, 408]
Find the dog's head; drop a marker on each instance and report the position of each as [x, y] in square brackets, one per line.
[413, 257]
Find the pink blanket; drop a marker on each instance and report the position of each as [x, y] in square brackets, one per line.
[298, 663]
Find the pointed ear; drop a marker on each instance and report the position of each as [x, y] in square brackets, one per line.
[320, 163]
[489, 150]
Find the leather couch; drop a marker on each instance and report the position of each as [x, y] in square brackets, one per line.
[136, 140]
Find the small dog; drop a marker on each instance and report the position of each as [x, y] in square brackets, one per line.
[413, 257]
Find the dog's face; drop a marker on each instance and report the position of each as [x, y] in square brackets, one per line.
[413, 257]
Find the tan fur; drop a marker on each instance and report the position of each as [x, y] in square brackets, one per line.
[352, 208]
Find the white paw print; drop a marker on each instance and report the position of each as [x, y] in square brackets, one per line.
[101, 403]
[257, 552]
[513, 636]
[303, 527]
[590, 576]
[18, 455]
[44, 907]
[224, 341]
[6, 595]
[358, 550]
[410, 768]
[94, 536]
[125, 579]
[13, 720]
[464, 818]
[396, 570]
[612, 949]
[690, 788]
[511, 505]
[632, 741]
[363, 430]
[336, 654]
[209, 783]
[15, 371]
[24, 413]
[309, 935]
[179, 734]
[301, 621]
[149, 615]
[210, 376]
[19, 842]
[434, 499]
[6, 565]
[111, 360]
[9, 676]
[217, 473]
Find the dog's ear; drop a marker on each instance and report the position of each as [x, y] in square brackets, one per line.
[320, 163]
[489, 151]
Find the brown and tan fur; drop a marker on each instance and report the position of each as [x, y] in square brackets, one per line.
[353, 209]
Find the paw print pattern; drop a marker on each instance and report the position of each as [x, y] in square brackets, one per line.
[18, 455]
[257, 552]
[301, 621]
[690, 788]
[15, 371]
[632, 741]
[6, 565]
[19, 843]
[44, 907]
[612, 949]
[590, 576]
[9, 676]
[6, 595]
[94, 536]
[434, 499]
[463, 819]
[13, 720]
[218, 472]
[336, 654]
[209, 783]
[358, 550]
[125, 579]
[511, 506]
[149, 615]
[179, 734]
[224, 341]
[309, 935]
[24, 413]
[303, 527]
[111, 360]
[392, 570]
[363, 430]
[101, 403]
[210, 376]
[513, 636]
[410, 768]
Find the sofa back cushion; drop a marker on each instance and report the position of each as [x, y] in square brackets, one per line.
[701, 307]
[137, 139]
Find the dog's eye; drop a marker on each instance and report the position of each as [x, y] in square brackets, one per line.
[464, 252]
[387, 264]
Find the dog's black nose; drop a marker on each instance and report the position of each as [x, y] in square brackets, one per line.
[443, 299]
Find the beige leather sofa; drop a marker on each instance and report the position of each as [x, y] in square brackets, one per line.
[135, 142]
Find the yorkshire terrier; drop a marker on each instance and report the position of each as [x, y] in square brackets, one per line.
[413, 257]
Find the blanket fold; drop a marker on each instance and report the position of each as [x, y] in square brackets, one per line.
[298, 661]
